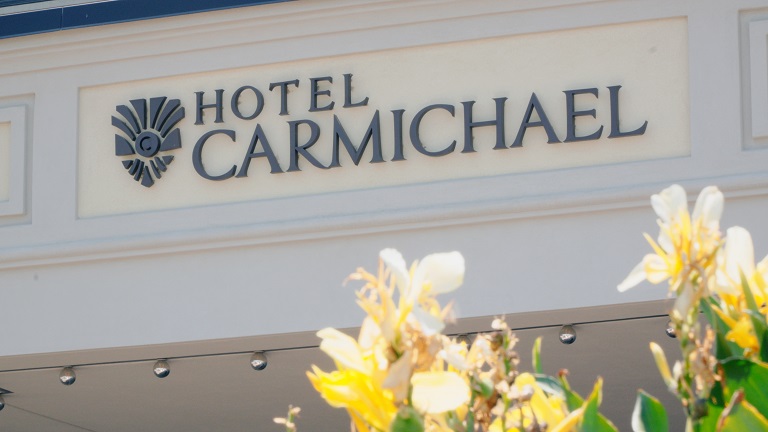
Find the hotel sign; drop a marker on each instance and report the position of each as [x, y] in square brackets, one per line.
[145, 132]
[566, 99]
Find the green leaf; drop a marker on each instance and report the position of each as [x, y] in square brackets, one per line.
[649, 414]
[759, 324]
[551, 386]
[563, 377]
[749, 376]
[483, 387]
[741, 416]
[713, 319]
[723, 348]
[716, 396]
[764, 347]
[592, 420]
[748, 294]
[537, 356]
[589, 419]
[572, 399]
[757, 318]
[708, 423]
[560, 388]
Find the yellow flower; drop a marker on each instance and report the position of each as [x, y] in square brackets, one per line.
[549, 409]
[737, 260]
[366, 402]
[398, 342]
[417, 288]
[343, 349]
[743, 334]
[571, 421]
[435, 274]
[358, 384]
[685, 242]
[544, 408]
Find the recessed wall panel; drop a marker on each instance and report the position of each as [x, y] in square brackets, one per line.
[5, 163]
[492, 107]
[13, 160]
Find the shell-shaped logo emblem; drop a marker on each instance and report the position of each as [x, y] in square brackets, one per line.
[148, 134]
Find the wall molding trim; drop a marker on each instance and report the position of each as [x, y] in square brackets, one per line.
[363, 223]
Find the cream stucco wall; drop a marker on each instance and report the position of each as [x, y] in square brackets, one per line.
[93, 260]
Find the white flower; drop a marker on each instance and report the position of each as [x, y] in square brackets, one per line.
[455, 355]
[684, 243]
[439, 273]
[737, 258]
[394, 261]
[669, 205]
[343, 349]
[429, 324]
[709, 208]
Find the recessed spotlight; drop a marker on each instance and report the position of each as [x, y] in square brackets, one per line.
[670, 330]
[567, 334]
[67, 376]
[258, 361]
[161, 368]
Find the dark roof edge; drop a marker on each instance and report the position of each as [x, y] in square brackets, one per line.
[112, 12]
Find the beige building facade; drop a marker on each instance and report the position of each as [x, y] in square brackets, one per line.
[194, 181]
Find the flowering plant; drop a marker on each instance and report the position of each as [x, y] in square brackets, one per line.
[722, 380]
[402, 374]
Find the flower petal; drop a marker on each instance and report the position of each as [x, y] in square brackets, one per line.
[369, 332]
[394, 261]
[743, 334]
[455, 354]
[366, 403]
[635, 276]
[397, 378]
[669, 203]
[444, 272]
[739, 254]
[549, 410]
[656, 269]
[437, 392]
[430, 325]
[570, 422]
[709, 207]
[661, 363]
[683, 303]
[343, 349]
